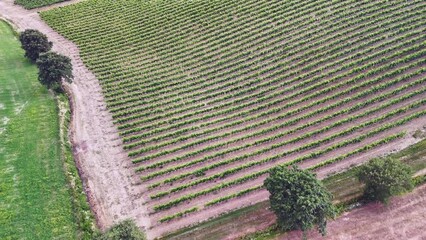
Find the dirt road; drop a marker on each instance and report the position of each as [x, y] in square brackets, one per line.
[103, 165]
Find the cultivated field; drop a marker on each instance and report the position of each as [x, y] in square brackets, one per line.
[30, 4]
[209, 95]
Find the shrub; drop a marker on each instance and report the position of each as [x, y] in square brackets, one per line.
[126, 230]
[385, 177]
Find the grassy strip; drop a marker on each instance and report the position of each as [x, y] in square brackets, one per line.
[345, 199]
[84, 218]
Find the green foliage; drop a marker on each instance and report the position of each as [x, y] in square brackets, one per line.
[385, 177]
[298, 199]
[34, 43]
[179, 214]
[53, 68]
[125, 230]
[419, 180]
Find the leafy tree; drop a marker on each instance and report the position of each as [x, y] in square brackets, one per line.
[298, 199]
[53, 68]
[385, 177]
[125, 230]
[34, 43]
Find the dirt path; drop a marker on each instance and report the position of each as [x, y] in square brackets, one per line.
[403, 218]
[104, 167]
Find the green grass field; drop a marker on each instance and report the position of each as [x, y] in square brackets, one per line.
[30, 4]
[35, 202]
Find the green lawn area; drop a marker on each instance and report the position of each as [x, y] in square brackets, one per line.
[35, 202]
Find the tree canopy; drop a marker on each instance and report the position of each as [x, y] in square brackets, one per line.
[34, 43]
[299, 200]
[53, 68]
[385, 177]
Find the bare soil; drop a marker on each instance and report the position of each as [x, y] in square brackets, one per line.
[103, 165]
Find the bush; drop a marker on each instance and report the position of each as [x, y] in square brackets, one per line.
[385, 177]
[53, 68]
[34, 43]
[126, 230]
[298, 199]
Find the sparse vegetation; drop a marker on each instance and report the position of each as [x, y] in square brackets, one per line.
[125, 230]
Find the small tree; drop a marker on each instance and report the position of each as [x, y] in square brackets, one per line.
[385, 177]
[34, 43]
[53, 68]
[298, 199]
[125, 230]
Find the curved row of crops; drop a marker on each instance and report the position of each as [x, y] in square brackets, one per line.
[30, 4]
[209, 95]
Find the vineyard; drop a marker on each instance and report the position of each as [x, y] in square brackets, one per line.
[209, 95]
[30, 4]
